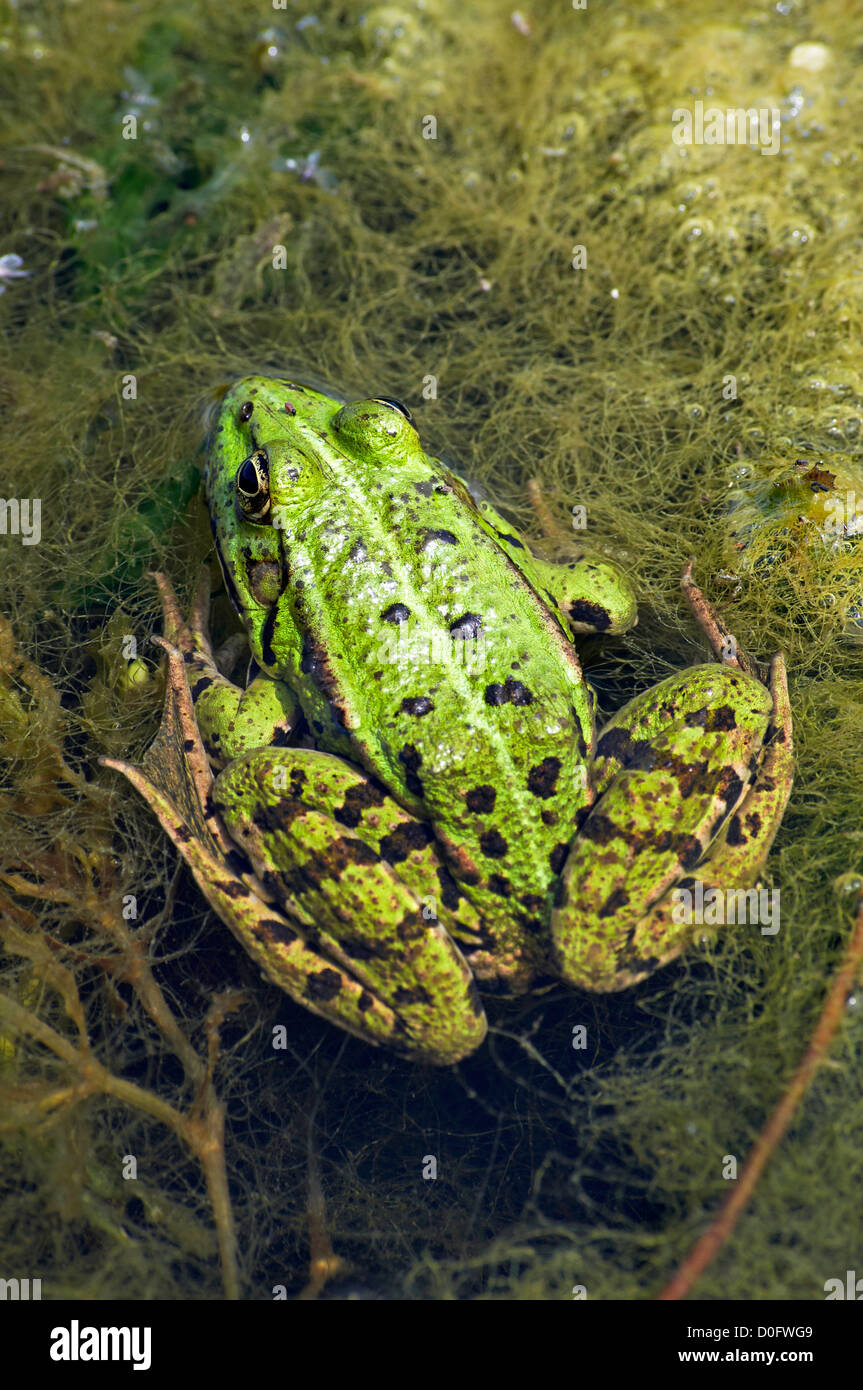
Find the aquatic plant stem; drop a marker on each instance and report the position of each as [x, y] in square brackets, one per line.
[706, 1249]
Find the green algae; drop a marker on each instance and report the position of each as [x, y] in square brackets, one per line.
[439, 271]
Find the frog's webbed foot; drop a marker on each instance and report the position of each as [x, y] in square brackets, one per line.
[692, 779]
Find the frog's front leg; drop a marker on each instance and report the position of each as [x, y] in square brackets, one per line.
[692, 780]
[590, 593]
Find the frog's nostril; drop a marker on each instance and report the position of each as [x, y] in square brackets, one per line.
[246, 410]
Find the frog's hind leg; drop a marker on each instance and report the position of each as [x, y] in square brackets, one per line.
[692, 779]
[361, 879]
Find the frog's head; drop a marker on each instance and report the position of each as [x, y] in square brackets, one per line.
[275, 448]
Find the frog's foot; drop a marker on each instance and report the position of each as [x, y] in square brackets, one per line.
[693, 778]
[231, 719]
[319, 907]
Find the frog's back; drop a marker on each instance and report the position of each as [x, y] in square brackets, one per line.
[421, 650]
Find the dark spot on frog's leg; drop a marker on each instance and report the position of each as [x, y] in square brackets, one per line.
[474, 1000]
[275, 930]
[614, 902]
[469, 625]
[720, 720]
[411, 994]
[583, 611]
[620, 745]
[730, 787]
[417, 705]
[323, 985]
[183, 834]
[481, 800]
[401, 842]
[396, 613]
[532, 902]
[239, 862]
[281, 738]
[557, 858]
[188, 745]
[510, 540]
[200, 686]
[549, 817]
[493, 845]
[542, 779]
[500, 884]
[690, 851]
[357, 799]
[360, 948]
[344, 851]
[734, 835]
[365, 1001]
[234, 888]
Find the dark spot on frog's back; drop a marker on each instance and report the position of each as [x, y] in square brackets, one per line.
[445, 538]
[481, 800]
[323, 986]
[510, 693]
[493, 845]
[542, 779]
[424, 488]
[396, 613]
[200, 686]
[583, 611]
[469, 625]
[499, 884]
[267, 631]
[411, 759]
[416, 705]
[557, 858]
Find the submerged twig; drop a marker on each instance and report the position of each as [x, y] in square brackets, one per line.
[706, 1249]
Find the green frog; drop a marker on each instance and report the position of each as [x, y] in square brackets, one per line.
[407, 798]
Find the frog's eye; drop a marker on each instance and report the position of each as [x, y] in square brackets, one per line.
[396, 405]
[253, 486]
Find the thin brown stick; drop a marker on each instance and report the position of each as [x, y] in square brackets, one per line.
[723, 642]
[715, 1237]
